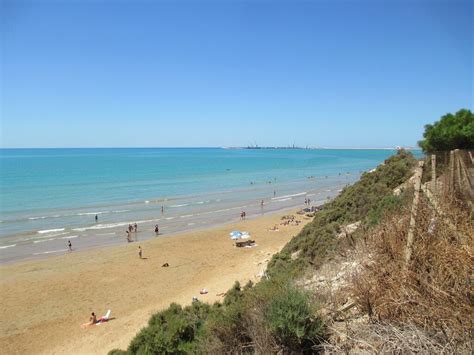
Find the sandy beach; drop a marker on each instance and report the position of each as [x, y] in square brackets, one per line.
[44, 302]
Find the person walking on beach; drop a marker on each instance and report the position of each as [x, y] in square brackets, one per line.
[140, 252]
[157, 229]
[69, 245]
[135, 227]
[128, 236]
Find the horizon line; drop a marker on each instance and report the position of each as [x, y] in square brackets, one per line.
[224, 147]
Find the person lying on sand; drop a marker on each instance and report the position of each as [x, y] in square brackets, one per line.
[92, 321]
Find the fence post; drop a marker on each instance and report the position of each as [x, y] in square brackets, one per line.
[451, 171]
[414, 210]
[433, 174]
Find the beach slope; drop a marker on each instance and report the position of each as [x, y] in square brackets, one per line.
[44, 302]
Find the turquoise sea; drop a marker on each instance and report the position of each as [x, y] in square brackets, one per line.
[50, 196]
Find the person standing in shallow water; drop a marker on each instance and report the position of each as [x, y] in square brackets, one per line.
[157, 229]
[69, 245]
[96, 218]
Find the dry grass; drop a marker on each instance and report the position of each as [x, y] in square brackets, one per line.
[378, 338]
[426, 306]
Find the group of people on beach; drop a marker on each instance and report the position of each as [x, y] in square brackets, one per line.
[134, 229]
[131, 228]
[307, 201]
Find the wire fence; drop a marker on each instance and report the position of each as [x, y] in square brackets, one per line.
[450, 175]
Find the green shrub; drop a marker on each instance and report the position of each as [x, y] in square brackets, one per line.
[118, 352]
[174, 330]
[387, 204]
[291, 319]
[450, 132]
[365, 200]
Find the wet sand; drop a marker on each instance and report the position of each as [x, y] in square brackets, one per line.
[44, 302]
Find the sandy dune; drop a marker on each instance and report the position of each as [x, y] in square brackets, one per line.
[44, 302]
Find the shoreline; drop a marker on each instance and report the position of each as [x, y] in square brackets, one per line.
[45, 301]
[52, 242]
[161, 236]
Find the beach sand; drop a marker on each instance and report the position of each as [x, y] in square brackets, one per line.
[44, 302]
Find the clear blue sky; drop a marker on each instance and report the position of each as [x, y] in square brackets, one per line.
[231, 73]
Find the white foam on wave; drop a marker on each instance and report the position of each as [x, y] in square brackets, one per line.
[286, 196]
[224, 210]
[70, 237]
[168, 218]
[283, 199]
[92, 213]
[183, 205]
[208, 212]
[7, 246]
[79, 229]
[186, 215]
[50, 230]
[53, 216]
[100, 212]
[101, 226]
[43, 240]
[51, 251]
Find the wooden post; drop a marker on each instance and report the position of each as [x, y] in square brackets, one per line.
[451, 171]
[433, 174]
[414, 210]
